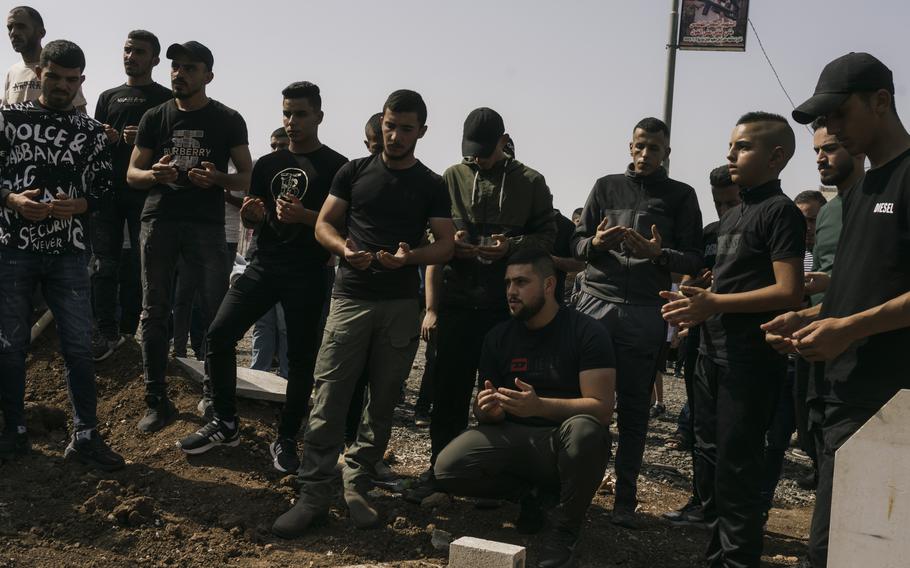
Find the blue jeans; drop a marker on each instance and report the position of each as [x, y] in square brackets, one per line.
[65, 285]
[270, 336]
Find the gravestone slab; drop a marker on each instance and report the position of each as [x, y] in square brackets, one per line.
[260, 385]
[470, 552]
[870, 509]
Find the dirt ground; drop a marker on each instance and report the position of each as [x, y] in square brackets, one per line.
[164, 509]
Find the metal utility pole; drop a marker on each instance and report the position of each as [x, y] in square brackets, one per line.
[671, 69]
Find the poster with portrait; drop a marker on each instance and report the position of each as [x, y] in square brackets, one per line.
[713, 25]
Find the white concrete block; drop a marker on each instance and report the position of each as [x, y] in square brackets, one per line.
[260, 385]
[470, 552]
[870, 509]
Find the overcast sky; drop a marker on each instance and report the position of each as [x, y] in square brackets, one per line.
[570, 78]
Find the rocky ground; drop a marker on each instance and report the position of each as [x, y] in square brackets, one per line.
[164, 509]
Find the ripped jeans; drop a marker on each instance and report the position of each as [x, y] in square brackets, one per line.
[64, 281]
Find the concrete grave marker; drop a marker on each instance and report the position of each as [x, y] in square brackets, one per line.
[870, 509]
[260, 385]
[470, 552]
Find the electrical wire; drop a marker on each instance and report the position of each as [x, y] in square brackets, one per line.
[773, 70]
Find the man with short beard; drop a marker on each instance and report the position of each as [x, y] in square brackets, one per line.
[181, 155]
[546, 387]
[26, 30]
[56, 168]
[374, 219]
[120, 109]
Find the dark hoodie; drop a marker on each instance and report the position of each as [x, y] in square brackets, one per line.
[509, 199]
[636, 201]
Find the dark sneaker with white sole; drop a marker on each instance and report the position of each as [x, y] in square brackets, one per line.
[690, 515]
[284, 455]
[216, 433]
[161, 412]
[89, 448]
[103, 346]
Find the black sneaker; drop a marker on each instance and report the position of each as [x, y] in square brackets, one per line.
[14, 443]
[284, 455]
[425, 486]
[215, 433]
[421, 419]
[89, 448]
[626, 519]
[103, 346]
[657, 410]
[558, 549]
[808, 482]
[161, 412]
[691, 514]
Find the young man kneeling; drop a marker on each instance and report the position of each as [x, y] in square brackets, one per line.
[546, 397]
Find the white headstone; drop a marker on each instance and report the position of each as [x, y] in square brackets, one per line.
[870, 508]
[470, 552]
[260, 385]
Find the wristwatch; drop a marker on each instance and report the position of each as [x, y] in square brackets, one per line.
[663, 259]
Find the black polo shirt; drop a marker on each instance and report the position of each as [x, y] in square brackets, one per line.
[766, 227]
[873, 266]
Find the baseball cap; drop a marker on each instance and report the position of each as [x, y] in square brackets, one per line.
[851, 73]
[192, 49]
[482, 130]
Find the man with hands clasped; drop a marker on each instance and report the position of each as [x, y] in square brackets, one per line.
[635, 230]
[862, 327]
[287, 189]
[757, 274]
[181, 155]
[544, 404]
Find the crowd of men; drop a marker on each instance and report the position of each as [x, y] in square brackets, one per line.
[766, 313]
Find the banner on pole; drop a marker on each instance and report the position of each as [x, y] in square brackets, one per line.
[713, 25]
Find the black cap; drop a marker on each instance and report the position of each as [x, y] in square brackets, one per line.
[192, 49]
[851, 73]
[482, 130]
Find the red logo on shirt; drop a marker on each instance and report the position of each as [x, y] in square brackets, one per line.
[519, 365]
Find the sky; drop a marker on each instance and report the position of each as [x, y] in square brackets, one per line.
[570, 78]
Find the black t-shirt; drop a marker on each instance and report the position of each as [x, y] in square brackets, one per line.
[549, 358]
[709, 240]
[872, 267]
[565, 228]
[766, 227]
[204, 135]
[124, 106]
[386, 207]
[306, 176]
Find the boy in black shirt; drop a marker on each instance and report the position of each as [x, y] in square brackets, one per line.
[286, 191]
[546, 387]
[120, 110]
[54, 168]
[758, 273]
[374, 220]
[862, 326]
[182, 151]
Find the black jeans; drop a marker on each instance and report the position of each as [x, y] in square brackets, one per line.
[164, 244]
[506, 460]
[804, 371]
[832, 425]
[460, 334]
[733, 408]
[107, 245]
[638, 334]
[425, 395]
[301, 291]
[189, 321]
[783, 424]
